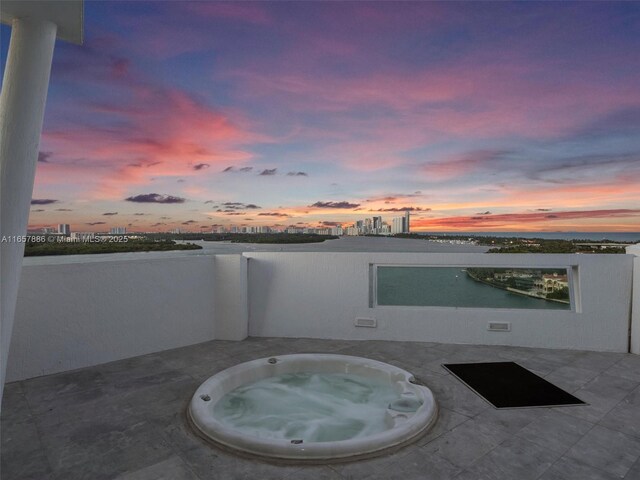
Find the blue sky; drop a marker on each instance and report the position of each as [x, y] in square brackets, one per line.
[493, 116]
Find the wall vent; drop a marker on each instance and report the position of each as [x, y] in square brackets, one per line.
[366, 322]
[499, 327]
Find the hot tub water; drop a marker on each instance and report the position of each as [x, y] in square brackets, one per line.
[314, 407]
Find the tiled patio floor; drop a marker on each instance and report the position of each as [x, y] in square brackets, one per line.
[123, 420]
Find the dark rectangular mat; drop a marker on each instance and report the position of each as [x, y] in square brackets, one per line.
[508, 385]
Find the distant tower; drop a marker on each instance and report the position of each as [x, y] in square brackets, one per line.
[406, 228]
[368, 226]
[377, 225]
[64, 229]
[397, 225]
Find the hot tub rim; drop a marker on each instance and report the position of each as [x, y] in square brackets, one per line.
[280, 451]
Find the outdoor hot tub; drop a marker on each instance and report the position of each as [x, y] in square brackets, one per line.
[312, 407]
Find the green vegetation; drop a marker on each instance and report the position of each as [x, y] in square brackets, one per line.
[536, 246]
[523, 280]
[85, 248]
[479, 240]
[160, 242]
[562, 294]
[554, 246]
[529, 245]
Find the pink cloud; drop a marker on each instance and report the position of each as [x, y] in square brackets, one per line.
[464, 100]
[459, 165]
[615, 191]
[470, 97]
[157, 132]
[369, 93]
[520, 221]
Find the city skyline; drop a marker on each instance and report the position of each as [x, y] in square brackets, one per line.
[376, 225]
[477, 117]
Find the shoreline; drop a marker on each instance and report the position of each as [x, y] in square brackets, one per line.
[524, 293]
[340, 245]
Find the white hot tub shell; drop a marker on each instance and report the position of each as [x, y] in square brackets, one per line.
[404, 427]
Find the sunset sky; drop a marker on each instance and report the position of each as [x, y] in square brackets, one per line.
[476, 116]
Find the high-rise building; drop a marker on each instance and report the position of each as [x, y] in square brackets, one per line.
[368, 226]
[397, 225]
[118, 230]
[377, 225]
[64, 229]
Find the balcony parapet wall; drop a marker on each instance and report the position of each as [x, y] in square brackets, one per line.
[74, 315]
[321, 295]
[77, 315]
[635, 300]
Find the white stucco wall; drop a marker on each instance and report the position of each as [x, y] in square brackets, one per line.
[75, 315]
[635, 301]
[231, 305]
[635, 315]
[321, 294]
